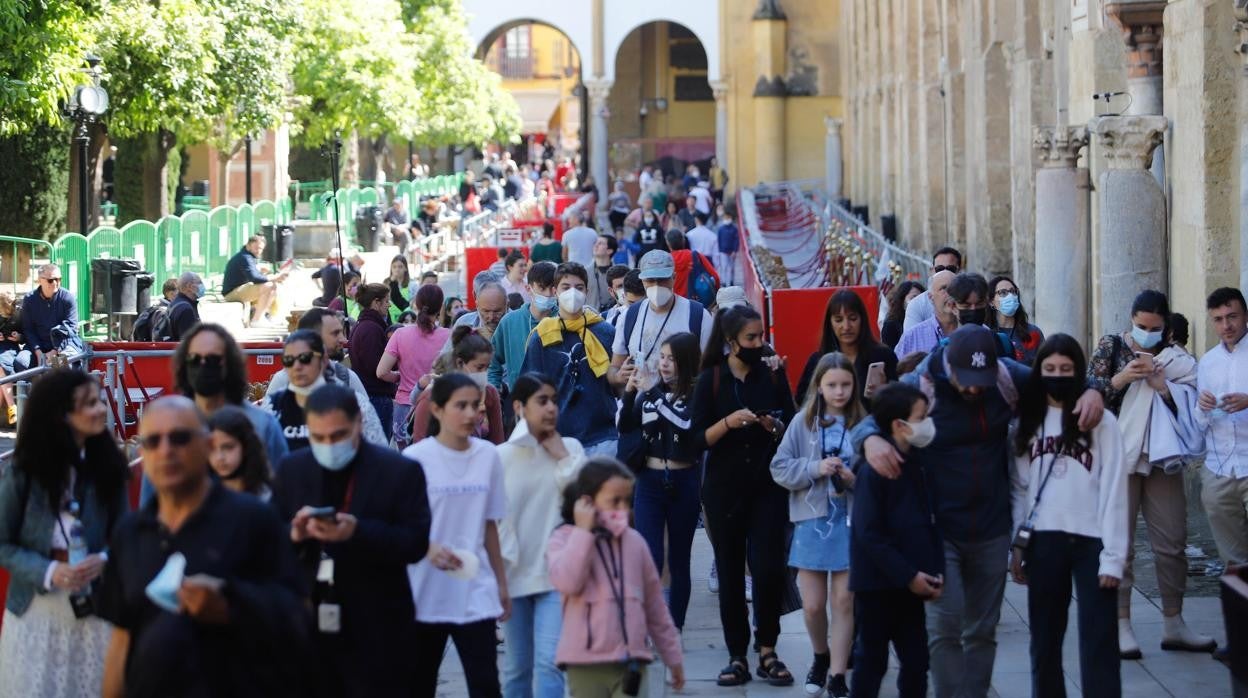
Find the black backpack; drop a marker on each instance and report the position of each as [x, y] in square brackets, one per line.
[152, 325]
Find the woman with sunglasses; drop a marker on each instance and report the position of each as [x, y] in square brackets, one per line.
[1009, 319]
[303, 358]
[59, 503]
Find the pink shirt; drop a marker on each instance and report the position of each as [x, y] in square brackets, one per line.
[416, 352]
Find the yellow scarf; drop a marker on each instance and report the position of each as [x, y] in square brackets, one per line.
[551, 330]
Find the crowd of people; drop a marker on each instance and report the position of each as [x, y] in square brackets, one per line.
[525, 471]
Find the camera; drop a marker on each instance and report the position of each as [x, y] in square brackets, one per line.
[838, 483]
[83, 605]
[630, 685]
[1022, 539]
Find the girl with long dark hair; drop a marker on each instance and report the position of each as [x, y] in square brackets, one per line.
[409, 356]
[740, 410]
[60, 500]
[236, 455]
[1008, 318]
[667, 498]
[470, 354]
[895, 319]
[399, 281]
[846, 329]
[1068, 489]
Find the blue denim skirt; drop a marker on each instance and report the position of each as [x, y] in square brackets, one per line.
[822, 544]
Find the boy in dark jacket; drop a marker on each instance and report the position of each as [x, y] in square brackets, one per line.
[896, 556]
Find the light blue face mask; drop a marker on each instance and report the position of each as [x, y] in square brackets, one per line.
[1009, 305]
[545, 303]
[1144, 338]
[334, 456]
[163, 589]
[201, 290]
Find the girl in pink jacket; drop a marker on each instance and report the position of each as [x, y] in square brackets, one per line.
[613, 603]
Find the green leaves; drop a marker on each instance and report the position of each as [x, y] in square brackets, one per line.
[42, 45]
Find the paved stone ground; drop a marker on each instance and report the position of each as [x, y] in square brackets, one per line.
[1160, 673]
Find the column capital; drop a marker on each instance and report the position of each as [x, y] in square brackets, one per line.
[1129, 141]
[833, 124]
[1058, 146]
[1141, 22]
[598, 90]
[719, 88]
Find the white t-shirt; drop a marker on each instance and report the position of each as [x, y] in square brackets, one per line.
[580, 243]
[702, 199]
[650, 330]
[703, 241]
[465, 490]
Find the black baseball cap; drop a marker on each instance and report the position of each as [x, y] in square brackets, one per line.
[972, 354]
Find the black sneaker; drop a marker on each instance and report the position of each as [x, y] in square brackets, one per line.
[837, 687]
[818, 670]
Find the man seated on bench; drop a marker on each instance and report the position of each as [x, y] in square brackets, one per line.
[243, 282]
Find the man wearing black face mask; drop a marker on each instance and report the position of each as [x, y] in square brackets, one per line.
[972, 396]
[329, 325]
[969, 293]
[208, 367]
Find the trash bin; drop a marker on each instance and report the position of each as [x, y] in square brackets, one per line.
[115, 285]
[279, 243]
[368, 227]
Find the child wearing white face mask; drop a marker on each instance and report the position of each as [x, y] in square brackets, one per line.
[813, 463]
[897, 556]
[470, 354]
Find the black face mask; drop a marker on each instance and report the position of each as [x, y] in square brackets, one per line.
[1061, 388]
[206, 379]
[752, 356]
[976, 316]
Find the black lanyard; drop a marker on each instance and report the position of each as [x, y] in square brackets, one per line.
[658, 337]
[1031, 517]
[844, 430]
[615, 571]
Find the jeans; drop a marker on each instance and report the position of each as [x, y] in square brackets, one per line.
[655, 510]
[893, 615]
[1052, 559]
[605, 448]
[400, 432]
[476, 645]
[532, 633]
[385, 412]
[962, 623]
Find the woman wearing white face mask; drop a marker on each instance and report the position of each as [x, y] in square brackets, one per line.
[813, 464]
[470, 354]
[1010, 319]
[304, 360]
[1151, 387]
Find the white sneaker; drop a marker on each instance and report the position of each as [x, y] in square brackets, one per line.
[1175, 635]
[712, 581]
[1128, 647]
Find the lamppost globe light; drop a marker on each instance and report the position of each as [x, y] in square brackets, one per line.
[91, 99]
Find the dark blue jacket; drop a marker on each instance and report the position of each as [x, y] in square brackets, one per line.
[183, 314]
[243, 268]
[893, 533]
[51, 323]
[586, 402]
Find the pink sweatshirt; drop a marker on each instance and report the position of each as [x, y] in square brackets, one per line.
[591, 618]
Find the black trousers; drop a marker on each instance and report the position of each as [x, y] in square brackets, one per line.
[881, 617]
[1052, 561]
[477, 646]
[748, 523]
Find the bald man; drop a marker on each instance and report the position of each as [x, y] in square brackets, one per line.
[926, 335]
[238, 624]
[491, 307]
[184, 310]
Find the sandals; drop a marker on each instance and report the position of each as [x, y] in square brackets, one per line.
[774, 671]
[737, 673]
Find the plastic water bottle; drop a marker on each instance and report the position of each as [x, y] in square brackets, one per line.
[77, 536]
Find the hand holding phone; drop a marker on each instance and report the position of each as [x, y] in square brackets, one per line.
[875, 378]
[323, 513]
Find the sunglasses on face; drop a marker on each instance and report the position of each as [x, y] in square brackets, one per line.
[945, 267]
[177, 438]
[198, 360]
[305, 358]
[52, 280]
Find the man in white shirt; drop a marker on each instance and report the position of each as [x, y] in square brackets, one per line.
[643, 328]
[702, 199]
[1222, 378]
[644, 179]
[578, 243]
[702, 239]
[921, 308]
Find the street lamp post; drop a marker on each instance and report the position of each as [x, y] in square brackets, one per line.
[332, 150]
[247, 167]
[85, 107]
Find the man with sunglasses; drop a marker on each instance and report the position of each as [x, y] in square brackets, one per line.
[234, 621]
[921, 308]
[49, 321]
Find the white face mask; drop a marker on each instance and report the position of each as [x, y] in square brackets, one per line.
[659, 296]
[619, 297]
[922, 432]
[572, 301]
[479, 377]
[307, 390]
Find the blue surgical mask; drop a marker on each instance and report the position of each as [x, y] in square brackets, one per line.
[1144, 338]
[334, 456]
[1009, 305]
[163, 589]
[545, 304]
[200, 290]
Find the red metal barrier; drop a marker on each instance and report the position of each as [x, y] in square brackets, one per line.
[796, 321]
[478, 259]
[155, 372]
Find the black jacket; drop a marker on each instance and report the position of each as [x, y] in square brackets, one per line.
[372, 654]
[183, 315]
[893, 531]
[878, 353]
[666, 428]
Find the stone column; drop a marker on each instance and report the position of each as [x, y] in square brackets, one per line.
[720, 89]
[1141, 23]
[1062, 231]
[599, 90]
[1241, 29]
[1132, 252]
[833, 169]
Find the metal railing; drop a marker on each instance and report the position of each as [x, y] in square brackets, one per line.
[900, 260]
